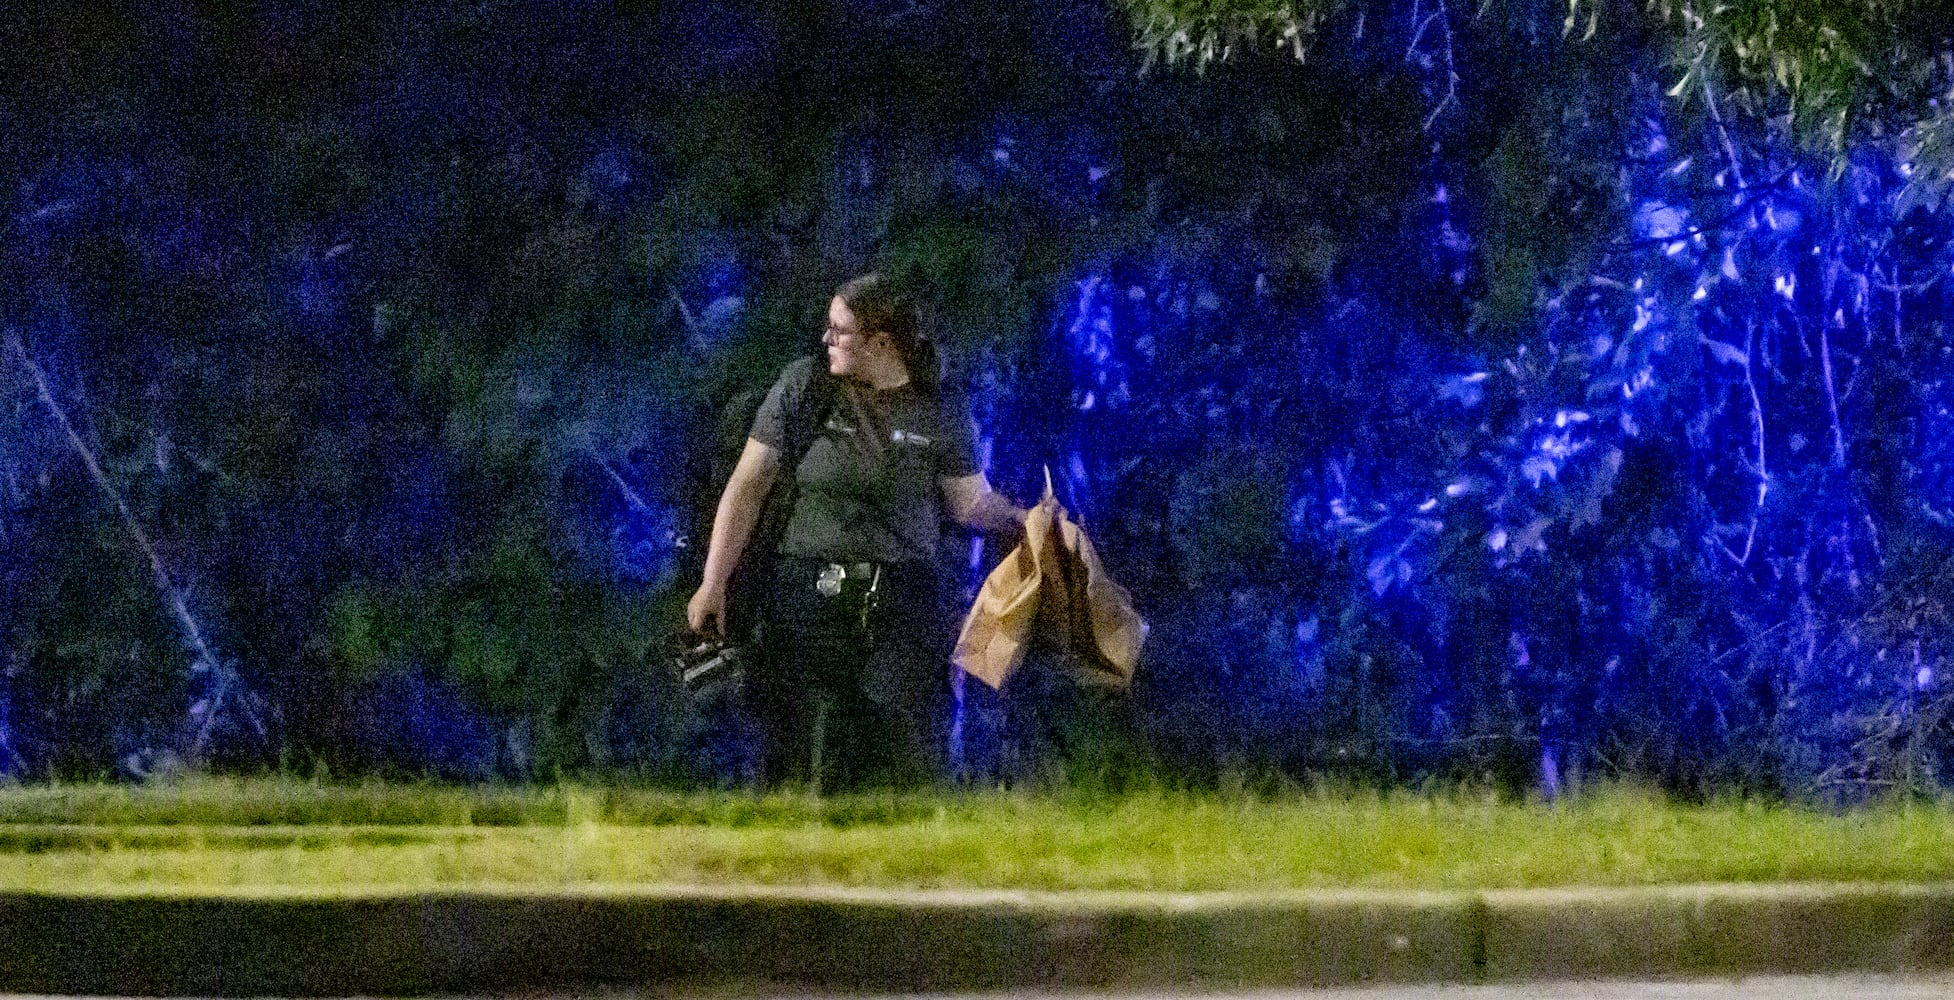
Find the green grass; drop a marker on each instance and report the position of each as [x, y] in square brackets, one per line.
[262, 834]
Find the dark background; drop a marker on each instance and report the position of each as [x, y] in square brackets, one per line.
[1425, 419]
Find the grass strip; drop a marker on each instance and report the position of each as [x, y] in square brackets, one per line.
[223, 835]
[207, 801]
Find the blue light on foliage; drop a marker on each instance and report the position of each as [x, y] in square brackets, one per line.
[609, 171]
[53, 210]
[723, 277]
[1469, 389]
[427, 726]
[721, 314]
[717, 288]
[1172, 380]
[642, 535]
[1090, 329]
[1657, 220]
[646, 545]
[318, 287]
[1306, 649]
[12, 763]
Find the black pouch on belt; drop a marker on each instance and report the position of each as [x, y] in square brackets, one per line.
[832, 580]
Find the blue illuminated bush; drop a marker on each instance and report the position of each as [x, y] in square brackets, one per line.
[1530, 429]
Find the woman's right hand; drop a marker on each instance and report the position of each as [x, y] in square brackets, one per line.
[707, 607]
[732, 527]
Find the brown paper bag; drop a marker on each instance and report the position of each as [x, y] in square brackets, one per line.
[999, 626]
[1052, 586]
[1106, 631]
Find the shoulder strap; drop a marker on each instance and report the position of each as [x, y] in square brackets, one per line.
[807, 411]
[810, 411]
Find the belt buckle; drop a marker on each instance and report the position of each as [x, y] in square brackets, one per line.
[828, 582]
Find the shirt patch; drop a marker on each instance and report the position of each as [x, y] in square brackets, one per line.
[900, 436]
[840, 426]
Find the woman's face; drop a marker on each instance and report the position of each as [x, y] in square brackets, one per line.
[850, 350]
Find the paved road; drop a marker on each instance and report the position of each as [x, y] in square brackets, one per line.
[1754, 988]
[1761, 988]
[1773, 988]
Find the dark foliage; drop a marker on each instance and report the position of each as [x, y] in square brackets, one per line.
[1512, 428]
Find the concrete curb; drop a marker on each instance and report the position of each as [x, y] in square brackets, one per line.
[297, 944]
[1697, 930]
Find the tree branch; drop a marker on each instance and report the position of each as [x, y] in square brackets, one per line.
[1723, 134]
[631, 495]
[166, 588]
[1757, 430]
[1420, 22]
[1831, 395]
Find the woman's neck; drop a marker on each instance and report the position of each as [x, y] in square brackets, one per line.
[888, 374]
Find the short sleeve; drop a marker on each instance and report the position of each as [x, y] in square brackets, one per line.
[957, 446]
[770, 421]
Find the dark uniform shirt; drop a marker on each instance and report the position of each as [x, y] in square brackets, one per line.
[868, 487]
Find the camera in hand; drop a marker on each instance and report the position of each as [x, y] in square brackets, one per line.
[708, 666]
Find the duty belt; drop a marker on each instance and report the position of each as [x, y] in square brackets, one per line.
[828, 581]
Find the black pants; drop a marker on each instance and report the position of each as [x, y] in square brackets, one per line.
[843, 702]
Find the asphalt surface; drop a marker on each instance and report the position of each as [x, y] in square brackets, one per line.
[1750, 988]
[1760, 988]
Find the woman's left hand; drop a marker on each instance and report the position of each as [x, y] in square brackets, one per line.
[973, 504]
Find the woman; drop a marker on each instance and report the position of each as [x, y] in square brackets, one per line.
[853, 641]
